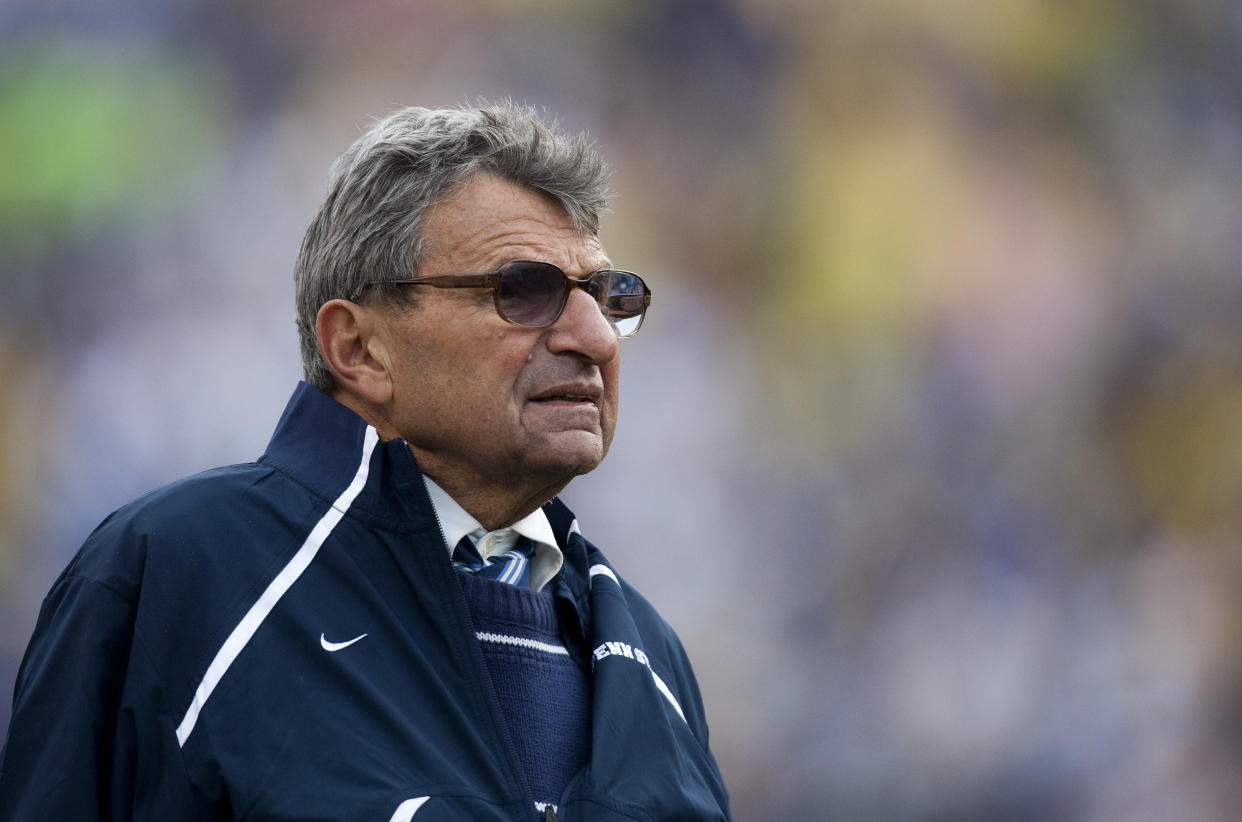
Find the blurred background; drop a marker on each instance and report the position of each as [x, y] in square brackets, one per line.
[943, 373]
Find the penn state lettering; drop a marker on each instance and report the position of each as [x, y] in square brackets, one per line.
[622, 649]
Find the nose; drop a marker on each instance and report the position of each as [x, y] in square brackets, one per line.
[583, 330]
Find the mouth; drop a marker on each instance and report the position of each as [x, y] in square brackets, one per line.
[571, 398]
[575, 395]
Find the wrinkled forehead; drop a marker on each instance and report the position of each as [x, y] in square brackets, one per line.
[488, 221]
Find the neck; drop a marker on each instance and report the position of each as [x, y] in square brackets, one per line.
[496, 502]
[493, 505]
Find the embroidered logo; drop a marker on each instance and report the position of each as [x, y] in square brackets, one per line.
[332, 647]
[608, 649]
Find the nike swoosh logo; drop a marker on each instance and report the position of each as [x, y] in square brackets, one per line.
[336, 646]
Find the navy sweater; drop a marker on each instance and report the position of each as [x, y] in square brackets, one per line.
[543, 694]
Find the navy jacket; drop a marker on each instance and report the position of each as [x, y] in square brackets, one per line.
[193, 661]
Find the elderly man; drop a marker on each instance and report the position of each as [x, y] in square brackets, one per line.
[390, 615]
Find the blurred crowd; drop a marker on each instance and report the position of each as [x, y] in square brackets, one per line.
[930, 447]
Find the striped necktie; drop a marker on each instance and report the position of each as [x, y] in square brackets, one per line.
[511, 566]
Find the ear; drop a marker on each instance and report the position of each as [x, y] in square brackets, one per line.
[353, 349]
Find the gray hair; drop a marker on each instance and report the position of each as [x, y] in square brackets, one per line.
[369, 227]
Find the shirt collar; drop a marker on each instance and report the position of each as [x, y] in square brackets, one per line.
[456, 523]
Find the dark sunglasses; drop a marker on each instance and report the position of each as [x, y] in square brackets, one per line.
[534, 294]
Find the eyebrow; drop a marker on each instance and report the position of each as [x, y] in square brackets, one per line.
[606, 264]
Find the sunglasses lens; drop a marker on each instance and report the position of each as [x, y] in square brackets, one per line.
[531, 293]
[624, 300]
[534, 294]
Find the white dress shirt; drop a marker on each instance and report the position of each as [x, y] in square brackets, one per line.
[456, 523]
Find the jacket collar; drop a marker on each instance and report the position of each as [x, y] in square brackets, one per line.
[318, 441]
[573, 583]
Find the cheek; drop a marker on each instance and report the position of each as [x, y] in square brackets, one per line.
[612, 390]
[611, 373]
[500, 382]
[515, 363]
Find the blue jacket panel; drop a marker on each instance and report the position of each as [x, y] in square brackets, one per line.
[286, 640]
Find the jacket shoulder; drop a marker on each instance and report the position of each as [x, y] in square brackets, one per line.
[188, 522]
[669, 655]
[649, 621]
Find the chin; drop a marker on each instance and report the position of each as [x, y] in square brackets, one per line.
[576, 468]
[568, 464]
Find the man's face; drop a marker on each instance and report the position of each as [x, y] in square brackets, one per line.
[479, 398]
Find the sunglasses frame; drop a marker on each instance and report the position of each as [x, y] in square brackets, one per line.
[491, 279]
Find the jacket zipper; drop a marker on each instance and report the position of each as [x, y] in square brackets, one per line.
[481, 666]
[549, 813]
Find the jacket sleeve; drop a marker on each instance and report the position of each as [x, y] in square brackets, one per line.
[76, 734]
